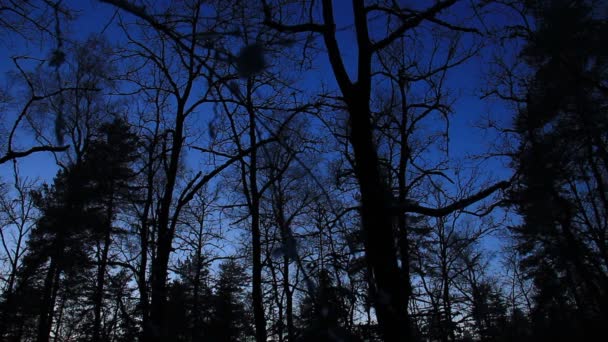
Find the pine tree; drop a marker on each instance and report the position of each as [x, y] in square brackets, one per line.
[58, 246]
[562, 165]
[108, 163]
[323, 313]
[190, 301]
[230, 320]
[77, 216]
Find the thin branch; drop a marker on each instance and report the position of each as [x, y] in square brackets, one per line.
[414, 21]
[308, 27]
[197, 182]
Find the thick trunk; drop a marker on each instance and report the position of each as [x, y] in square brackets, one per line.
[387, 288]
[404, 242]
[98, 298]
[390, 300]
[287, 245]
[141, 281]
[157, 329]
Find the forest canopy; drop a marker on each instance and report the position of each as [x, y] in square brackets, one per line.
[280, 170]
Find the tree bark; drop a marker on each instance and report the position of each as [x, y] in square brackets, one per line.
[390, 301]
[144, 234]
[157, 328]
[403, 230]
[257, 296]
[101, 270]
[45, 319]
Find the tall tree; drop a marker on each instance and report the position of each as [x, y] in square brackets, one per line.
[109, 160]
[562, 162]
[176, 85]
[377, 203]
[17, 219]
[58, 245]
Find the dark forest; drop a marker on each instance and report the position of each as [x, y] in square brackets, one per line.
[303, 170]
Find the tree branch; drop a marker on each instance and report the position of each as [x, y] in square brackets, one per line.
[14, 155]
[412, 207]
[414, 21]
[333, 51]
[197, 183]
[307, 27]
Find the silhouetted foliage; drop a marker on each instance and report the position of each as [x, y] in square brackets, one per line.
[230, 318]
[286, 171]
[562, 167]
[323, 313]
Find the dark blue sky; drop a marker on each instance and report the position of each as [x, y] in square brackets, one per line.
[464, 83]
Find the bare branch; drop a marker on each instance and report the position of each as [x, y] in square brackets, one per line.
[412, 22]
[308, 27]
[46, 148]
[198, 182]
[411, 207]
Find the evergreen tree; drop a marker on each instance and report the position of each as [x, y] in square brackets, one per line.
[58, 247]
[108, 164]
[489, 312]
[190, 302]
[563, 166]
[77, 215]
[323, 313]
[231, 321]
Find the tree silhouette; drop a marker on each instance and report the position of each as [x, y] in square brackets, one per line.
[301, 170]
[230, 318]
[562, 166]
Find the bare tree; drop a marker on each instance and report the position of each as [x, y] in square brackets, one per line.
[377, 203]
[18, 217]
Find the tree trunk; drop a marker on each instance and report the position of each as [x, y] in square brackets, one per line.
[257, 297]
[144, 236]
[403, 239]
[388, 294]
[157, 329]
[101, 271]
[289, 299]
[287, 245]
[390, 300]
[45, 319]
